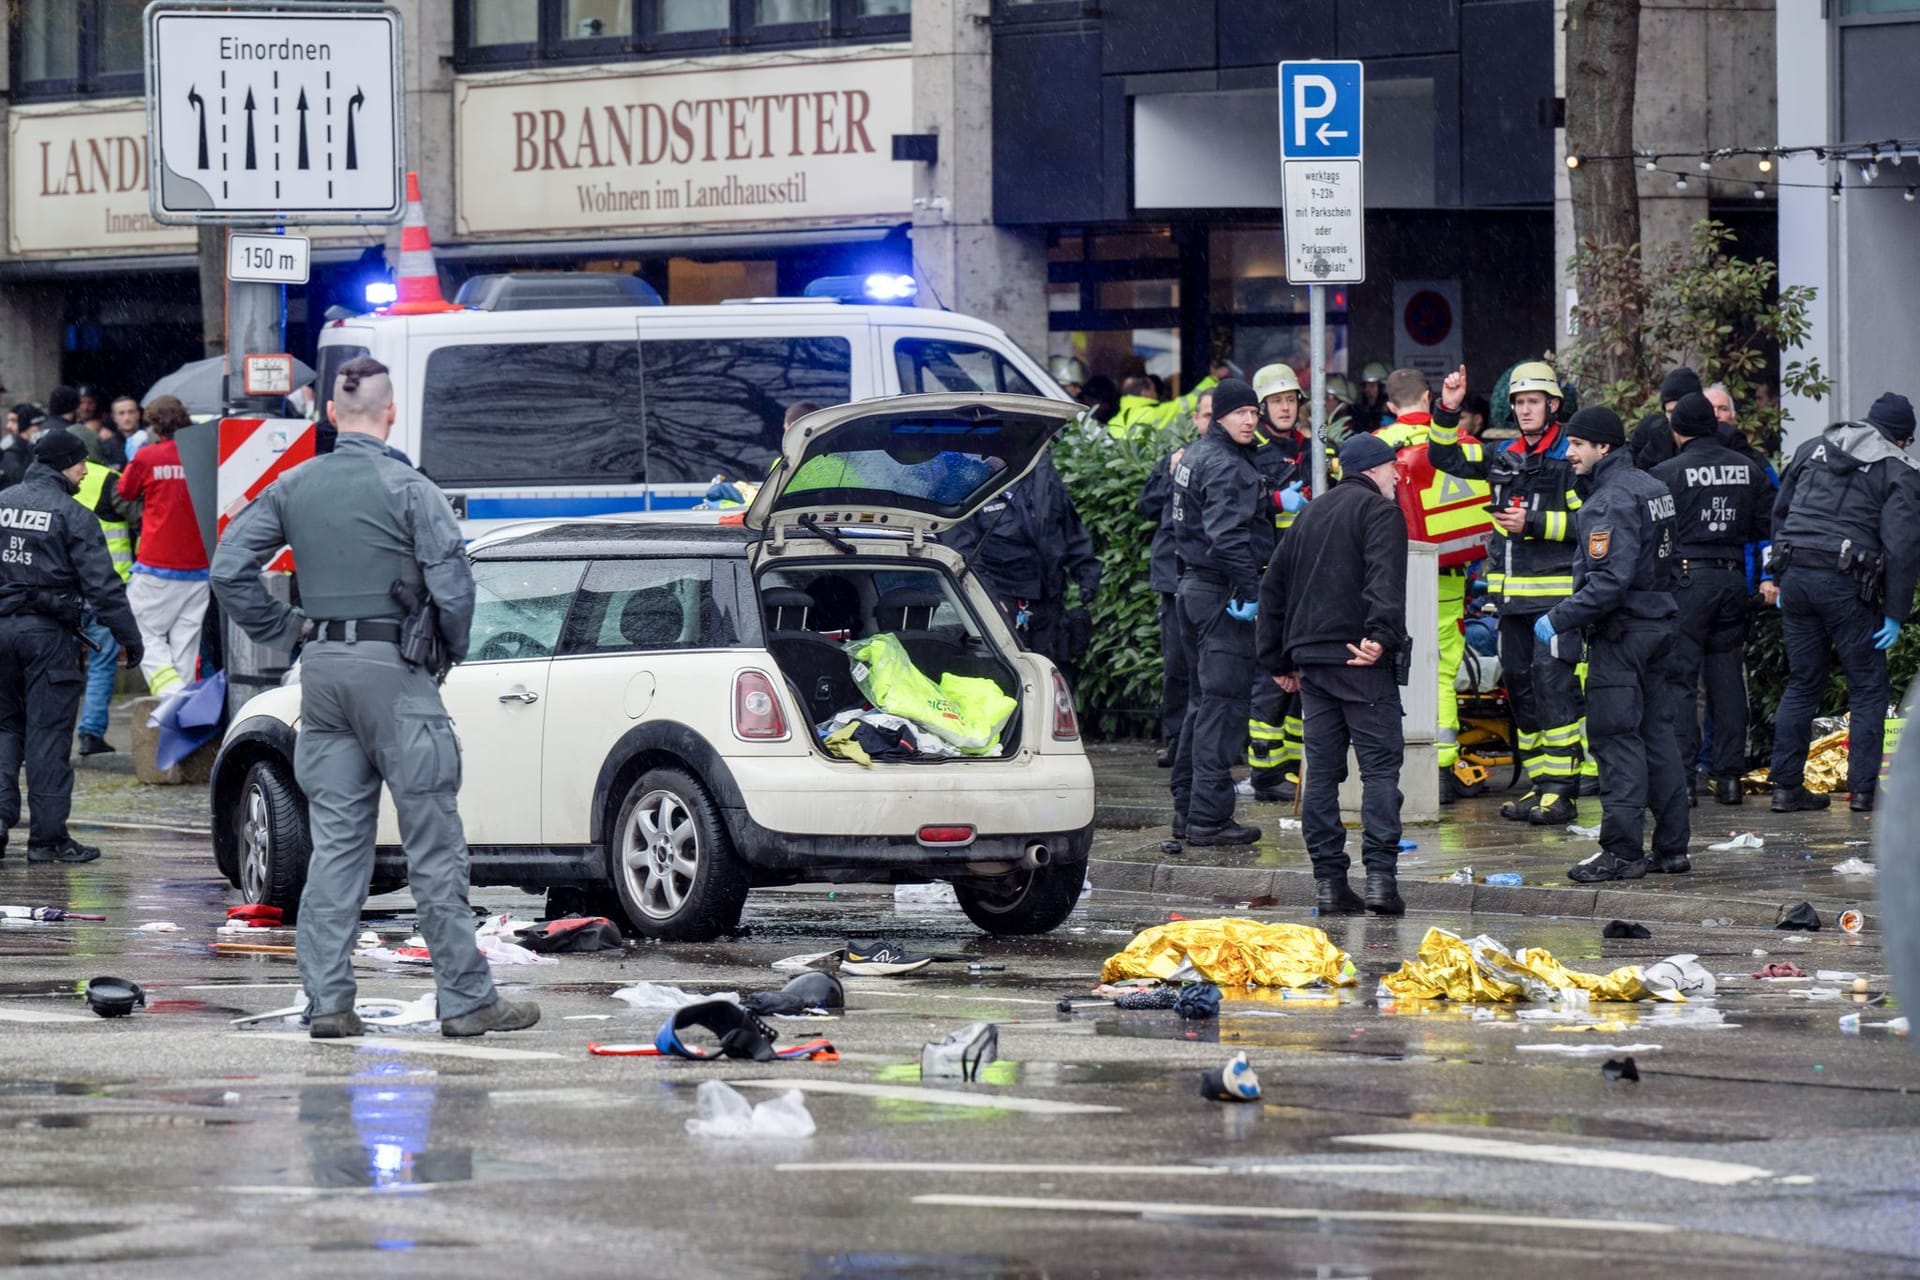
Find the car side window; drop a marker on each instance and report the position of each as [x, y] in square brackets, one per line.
[643, 606]
[930, 365]
[520, 607]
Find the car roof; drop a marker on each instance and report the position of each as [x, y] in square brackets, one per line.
[528, 324]
[617, 539]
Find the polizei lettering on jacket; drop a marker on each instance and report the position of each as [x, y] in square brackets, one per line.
[1661, 508]
[1711, 477]
[26, 521]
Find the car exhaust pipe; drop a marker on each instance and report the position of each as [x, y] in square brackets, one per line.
[1036, 856]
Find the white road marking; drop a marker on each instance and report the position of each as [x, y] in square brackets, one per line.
[943, 1097]
[937, 1166]
[1720, 1173]
[410, 1044]
[1158, 1208]
[866, 989]
[43, 1015]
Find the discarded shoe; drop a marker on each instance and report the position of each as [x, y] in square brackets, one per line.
[1620, 1069]
[1335, 897]
[1604, 866]
[115, 997]
[1798, 800]
[1234, 1082]
[501, 1015]
[1800, 916]
[1383, 895]
[1728, 791]
[881, 959]
[1551, 810]
[1670, 864]
[68, 851]
[92, 744]
[1625, 929]
[959, 1055]
[738, 1033]
[1517, 810]
[1230, 833]
[814, 990]
[338, 1026]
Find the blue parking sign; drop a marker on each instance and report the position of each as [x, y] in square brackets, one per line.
[1320, 110]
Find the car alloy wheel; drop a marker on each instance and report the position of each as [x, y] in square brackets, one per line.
[256, 843]
[661, 852]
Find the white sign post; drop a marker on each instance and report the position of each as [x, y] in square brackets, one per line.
[1322, 126]
[264, 113]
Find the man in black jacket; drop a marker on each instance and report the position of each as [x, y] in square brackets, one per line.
[1163, 575]
[1346, 653]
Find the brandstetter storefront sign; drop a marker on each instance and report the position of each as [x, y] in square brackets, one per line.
[808, 139]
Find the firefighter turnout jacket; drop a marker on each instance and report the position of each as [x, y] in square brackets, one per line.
[1532, 571]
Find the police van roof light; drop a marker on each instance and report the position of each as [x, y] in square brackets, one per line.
[382, 293]
[879, 286]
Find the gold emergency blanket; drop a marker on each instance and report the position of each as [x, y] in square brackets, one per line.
[1484, 972]
[1233, 952]
[1826, 767]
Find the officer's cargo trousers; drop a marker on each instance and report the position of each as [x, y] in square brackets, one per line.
[366, 716]
[1632, 692]
[1715, 612]
[41, 681]
[1453, 648]
[1173, 671]
[1823, 617]
[1544, 695]
[1216, 724]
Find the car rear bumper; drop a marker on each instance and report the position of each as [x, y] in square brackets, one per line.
[802, 856]
[809, 796]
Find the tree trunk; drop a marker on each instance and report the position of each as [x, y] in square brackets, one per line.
[213, 289]
[1603, 45]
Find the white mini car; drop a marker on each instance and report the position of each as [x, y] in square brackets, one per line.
[638, 708]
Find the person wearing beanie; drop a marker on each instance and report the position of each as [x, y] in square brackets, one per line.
[16, 449]
[1163, 575]
[55, 565]
[1653, 438]
[1346, 652]
[1723, 504]
[1622, 613]
[1223, 536]
[63, 402]
[1529, 570]
[1846, 552]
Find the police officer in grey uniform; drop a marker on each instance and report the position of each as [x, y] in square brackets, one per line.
[53, 559]
[359, 521]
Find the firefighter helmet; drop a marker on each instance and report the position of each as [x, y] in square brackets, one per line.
[1275, 379]
[1534, 375]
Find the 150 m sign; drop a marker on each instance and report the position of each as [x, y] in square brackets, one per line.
[269, 259]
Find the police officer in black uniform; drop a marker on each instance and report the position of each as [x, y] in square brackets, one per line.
[1622, 604]
[1163, 575]
[53, 562]
[1846, 550]
[1722, 504]
[1223, 535]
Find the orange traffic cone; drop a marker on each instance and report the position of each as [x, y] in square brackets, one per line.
[418, 280]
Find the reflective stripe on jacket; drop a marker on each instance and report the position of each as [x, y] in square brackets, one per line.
[119, 536]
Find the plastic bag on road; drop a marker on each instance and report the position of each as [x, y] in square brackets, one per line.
[726, 1113]
[658, 995]
[1682, 973]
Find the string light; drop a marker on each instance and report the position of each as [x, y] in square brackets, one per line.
[1766, 164]
[1759, 192]
[1653, 163]
[1680, 182]
[1573, 162]
[1706, 164]
[1836, 191]
[1909, 195]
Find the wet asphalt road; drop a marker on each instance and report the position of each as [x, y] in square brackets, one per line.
[169, 1143]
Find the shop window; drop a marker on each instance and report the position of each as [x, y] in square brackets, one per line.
[769, 13]
[931, 365]
[718, 406]
[674, 17]
[68, 47]
[490, 33]
[595, 19]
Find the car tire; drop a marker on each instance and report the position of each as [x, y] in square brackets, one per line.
[1035, 901]
[673, 864]
[274, 844]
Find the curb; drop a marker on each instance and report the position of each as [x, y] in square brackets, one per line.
[1296, 889]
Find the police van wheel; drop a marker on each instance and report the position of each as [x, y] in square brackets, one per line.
[274, 844]
[1035, 901]
[673, 865]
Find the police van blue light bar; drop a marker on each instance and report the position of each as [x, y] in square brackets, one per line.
[880, 286]
[382, 293]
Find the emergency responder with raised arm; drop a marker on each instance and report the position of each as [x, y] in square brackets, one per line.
[1846, 551]
[1722, 503]
[1286, 464]
[53, 565]
[1223, 535]
[1346, 653]
[1622, 608]
[362, 524]
[1449, 513]
[1163, 575]
[1530, 570]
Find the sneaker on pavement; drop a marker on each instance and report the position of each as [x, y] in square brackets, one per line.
[1231, 833]
[501, 1015]
[1604, 866]
[336, 1026]
[1798, 800]
[68, 850]
[880, 959]
[92, 744]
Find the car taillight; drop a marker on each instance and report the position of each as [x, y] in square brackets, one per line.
[1066, 725]
[756, 709]
[946, 835]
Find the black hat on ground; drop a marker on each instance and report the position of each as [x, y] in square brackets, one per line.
[1892, 413]
[1364, 452]
[59, 449]
[1598, 424]
[1692, 416]
[1230, 394]
[1679, 382]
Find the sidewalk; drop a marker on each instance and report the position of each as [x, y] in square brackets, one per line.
[1747, 887]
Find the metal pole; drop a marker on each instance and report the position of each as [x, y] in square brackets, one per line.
[1316, 384]
[255, 313]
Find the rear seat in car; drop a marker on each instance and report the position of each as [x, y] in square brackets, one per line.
[814, 664]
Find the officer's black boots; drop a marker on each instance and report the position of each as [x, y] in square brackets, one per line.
[68, 850]
[1229, 833]
[92, 744]
[1551, 810]
[1861, 802]
[1727, 791]
[1604, 866]
[1517, 810]
[1798, 800]
[1383, 895]
[335, 1026]
[1670, 864]
[1335, 897]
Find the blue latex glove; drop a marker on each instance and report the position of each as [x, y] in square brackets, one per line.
[1247, 612]
[1543, 630]
[1889, 632]
[1290, 499]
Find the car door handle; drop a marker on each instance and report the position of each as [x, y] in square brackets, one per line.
[526, 696]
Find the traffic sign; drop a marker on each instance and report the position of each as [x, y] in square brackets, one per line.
[1321, 109]
[267, 375]
[263, 113]
[269, 259]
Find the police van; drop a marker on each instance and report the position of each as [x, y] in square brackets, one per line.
[569, 395]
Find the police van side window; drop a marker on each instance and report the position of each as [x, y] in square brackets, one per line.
[933, 365]
[717, 406]
[532, 413]
[628, 606]
[520, 607]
